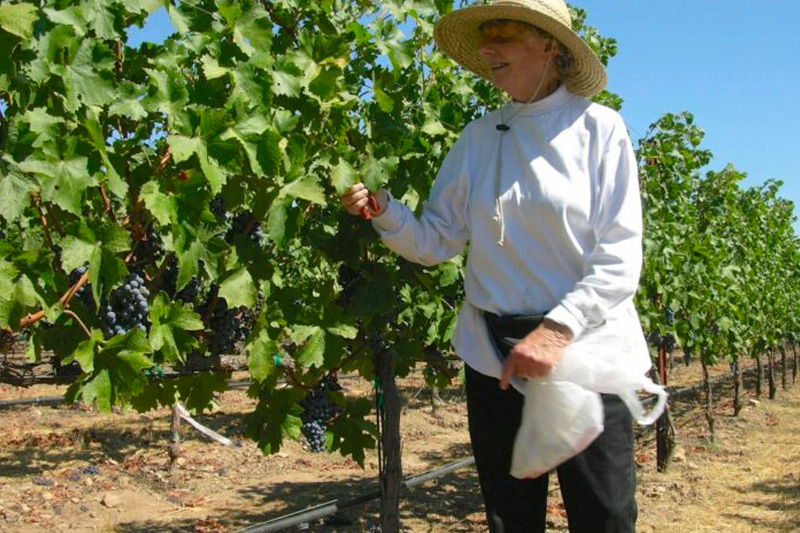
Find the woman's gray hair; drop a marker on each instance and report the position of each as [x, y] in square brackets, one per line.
[564, 62]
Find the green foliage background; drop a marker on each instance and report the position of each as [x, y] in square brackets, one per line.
[278, 106]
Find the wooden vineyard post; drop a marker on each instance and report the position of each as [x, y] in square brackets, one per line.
[782, 349]
[773, 389]
[665, 430]
[738, 394]
[175, 437]
[391, 468]
[709, 410]
[759, 375]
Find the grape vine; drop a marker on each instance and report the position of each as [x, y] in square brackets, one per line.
[190, 187]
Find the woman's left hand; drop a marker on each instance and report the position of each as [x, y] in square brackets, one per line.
[538, 353]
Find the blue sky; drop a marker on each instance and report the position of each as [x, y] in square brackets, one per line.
[734, 64]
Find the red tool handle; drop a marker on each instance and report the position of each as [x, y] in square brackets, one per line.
[373, 204]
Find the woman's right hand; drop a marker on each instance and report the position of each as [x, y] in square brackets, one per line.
[356, 198]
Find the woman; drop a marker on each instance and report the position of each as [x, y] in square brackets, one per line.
[545, 190]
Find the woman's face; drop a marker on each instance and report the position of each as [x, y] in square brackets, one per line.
[517, 57]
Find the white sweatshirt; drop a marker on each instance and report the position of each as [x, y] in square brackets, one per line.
[569, 218]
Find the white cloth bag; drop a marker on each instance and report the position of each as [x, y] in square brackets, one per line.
[563, 412]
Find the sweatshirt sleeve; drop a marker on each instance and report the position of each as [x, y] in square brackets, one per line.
[611, 271]
[441, 230]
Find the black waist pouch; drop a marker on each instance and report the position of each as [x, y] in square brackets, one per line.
[507, 331]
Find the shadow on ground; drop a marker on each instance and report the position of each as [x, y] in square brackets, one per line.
[455, 495]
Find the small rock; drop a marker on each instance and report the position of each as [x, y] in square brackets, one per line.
[88, 482]
[48, 496]
[111, 500]
[181, 461]
[753, 403]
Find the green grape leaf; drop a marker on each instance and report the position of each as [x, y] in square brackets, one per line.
[115, 183]
[313, 352]
[238, 289]
[85, 352]
[276, 416]
[378, 171]
[212, 69]
[260, 356]
[170, 326]
[343, 175]
[120, 362]
[198, 392]
[15, 192]
[353, 434]
[163, 207]
[18, 19]
[182, 148]
[307, 188]
[62, 182]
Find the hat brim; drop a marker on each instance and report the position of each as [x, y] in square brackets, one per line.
[458, 35]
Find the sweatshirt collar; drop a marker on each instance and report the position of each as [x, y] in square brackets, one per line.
[539, 107]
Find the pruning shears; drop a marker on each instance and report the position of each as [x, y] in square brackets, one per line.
[373, 204]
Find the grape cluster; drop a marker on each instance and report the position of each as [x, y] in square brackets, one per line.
[347, 277]
[151, 246]
[318, 409]
[245, 223]
[84, 294]
[218, 207]
[169, 283]
[227, 327]
[314, 432]
[687, 355]
[61, 370]
[669, 316]
[669, 343]
[126, 308]
[190, 292]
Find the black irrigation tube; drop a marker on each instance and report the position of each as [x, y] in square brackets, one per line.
[39, 400]
[317, 512]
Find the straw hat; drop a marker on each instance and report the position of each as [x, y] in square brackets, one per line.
[458, 35]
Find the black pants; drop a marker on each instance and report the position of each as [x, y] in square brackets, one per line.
[598, 485]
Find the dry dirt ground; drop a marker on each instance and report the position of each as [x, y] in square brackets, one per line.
[73, 469]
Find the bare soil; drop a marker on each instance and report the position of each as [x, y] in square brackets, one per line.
[73, 469]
